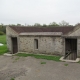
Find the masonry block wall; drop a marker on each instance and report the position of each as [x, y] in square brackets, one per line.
[51, 45]
[10, 33]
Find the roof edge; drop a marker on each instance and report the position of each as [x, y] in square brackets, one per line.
[42, 34]
[13, 30]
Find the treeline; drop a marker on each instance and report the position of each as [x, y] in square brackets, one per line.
[2, 29]
[53, 24]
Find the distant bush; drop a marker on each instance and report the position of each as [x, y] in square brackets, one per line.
[2, 29]
[1, 33]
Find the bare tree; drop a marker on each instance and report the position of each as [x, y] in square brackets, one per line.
[64, 23]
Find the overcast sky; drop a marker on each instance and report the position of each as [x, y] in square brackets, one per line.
[39, 11]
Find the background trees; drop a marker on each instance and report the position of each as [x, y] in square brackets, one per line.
[63, 23]
[2, 29]
[52, 24]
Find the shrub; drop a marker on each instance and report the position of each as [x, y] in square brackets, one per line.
[1, 33]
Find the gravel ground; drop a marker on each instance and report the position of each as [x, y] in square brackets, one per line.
[29, 68]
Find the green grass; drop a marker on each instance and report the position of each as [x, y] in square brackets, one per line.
[54, 58]
[43, 62]
[17, 58]
[3, 49]
[12, 79]
[3, 39]
[78, 62]
[66, 64]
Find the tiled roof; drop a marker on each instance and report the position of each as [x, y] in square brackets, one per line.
[21, 29]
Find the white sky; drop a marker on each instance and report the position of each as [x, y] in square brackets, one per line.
[39, 11]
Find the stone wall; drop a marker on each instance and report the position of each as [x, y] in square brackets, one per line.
[51, 45]
[10, 33]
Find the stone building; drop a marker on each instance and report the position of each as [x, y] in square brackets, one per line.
[48, 40]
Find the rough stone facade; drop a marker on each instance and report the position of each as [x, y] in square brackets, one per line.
[51, 45]
[10, 33]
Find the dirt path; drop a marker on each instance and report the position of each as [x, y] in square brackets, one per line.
[30, 68]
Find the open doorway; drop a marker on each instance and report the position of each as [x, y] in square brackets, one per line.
[70, 49]
[14, 45]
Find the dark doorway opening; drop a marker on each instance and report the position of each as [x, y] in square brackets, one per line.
[36, 43]
[71, 49]
[14, 45]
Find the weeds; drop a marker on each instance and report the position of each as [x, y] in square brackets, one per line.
[66, 64]
[43, 62]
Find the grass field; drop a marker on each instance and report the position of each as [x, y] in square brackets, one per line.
[3, 39]
[54, 58]
[3, 49]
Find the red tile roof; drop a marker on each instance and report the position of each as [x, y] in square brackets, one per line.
[21, 29]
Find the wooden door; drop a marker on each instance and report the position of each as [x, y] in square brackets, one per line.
[71, 45]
